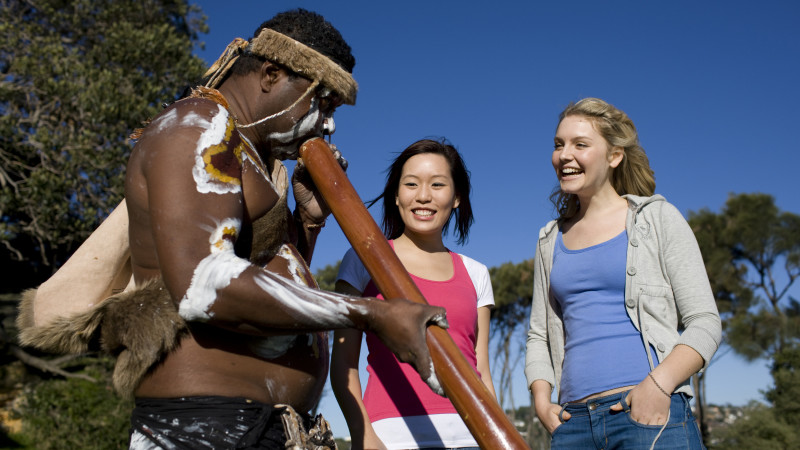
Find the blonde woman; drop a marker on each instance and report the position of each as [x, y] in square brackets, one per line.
[612, 275]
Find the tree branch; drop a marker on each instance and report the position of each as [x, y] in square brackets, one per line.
[44, 365]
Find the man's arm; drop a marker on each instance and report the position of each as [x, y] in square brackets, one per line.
[195, 214]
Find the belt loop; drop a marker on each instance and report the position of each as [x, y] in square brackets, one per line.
[624, 403]
[561, 413]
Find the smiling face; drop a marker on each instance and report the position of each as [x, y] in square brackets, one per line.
[582, 158]
[426, 194]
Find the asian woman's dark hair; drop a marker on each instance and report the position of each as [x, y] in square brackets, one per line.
[393, 225]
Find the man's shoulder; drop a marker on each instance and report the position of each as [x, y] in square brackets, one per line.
[190, 116]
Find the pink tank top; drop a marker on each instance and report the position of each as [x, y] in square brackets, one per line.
[395, 389]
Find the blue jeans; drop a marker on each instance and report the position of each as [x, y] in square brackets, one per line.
[594, 426]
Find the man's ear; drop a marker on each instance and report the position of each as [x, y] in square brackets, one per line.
[269, 75]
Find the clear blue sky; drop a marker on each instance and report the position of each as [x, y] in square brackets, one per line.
[712, 87]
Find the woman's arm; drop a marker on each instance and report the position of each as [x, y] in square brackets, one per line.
[482, 348]
[691, 289]
[346, 383]
[546, 410]
[650, 399]
[538, 361]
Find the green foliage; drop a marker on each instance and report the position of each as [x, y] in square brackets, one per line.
[760, 428]
[512, 285]
[326, 277]
[513, 289]
[778, 426]
[785, 394]
[752, 254]
[76, 413]
[78, 77]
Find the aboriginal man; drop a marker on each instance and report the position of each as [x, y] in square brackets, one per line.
[222, 341]
[201, 181]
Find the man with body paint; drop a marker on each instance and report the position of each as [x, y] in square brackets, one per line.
[223, 340]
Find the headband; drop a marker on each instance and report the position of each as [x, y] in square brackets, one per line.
[292, 54]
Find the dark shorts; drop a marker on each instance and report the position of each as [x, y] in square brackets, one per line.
[220, 423]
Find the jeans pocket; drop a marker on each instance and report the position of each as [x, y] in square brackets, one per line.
[558, 428]
[676, 417]
[642, 425]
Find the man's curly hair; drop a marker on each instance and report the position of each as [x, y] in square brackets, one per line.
[314, 31]
[307, 27]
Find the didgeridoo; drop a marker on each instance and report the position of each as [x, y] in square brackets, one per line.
[480, 411]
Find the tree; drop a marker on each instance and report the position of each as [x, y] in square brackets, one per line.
[78, 76]
[777, 426]
[326, 277]
[785, 394]
[513, 289]
[76, 413]
[751, 252]
[760, 428]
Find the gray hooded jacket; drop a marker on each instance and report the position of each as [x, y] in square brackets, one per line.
[665, 277]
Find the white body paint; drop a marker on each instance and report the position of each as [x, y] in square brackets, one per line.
[140, 442]
[273, 346]
[256, 161]
[294, 264]
[214, 134]
[171, 119]
[308, 305]
[281, 140]
[213, 273]
[433, 382]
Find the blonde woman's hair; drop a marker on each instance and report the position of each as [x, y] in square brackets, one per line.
[632, 176]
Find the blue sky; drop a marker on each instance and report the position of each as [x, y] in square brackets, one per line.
[711, 86]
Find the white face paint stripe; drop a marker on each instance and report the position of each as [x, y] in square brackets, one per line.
[301, 128]
[306, 124]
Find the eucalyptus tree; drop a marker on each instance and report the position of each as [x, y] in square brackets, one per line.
[78, 76]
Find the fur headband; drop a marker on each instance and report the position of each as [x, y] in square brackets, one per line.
[294, 55]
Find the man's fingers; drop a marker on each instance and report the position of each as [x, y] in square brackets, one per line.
[439, 320]
[434, 384]
[339, 158]
[428, 374]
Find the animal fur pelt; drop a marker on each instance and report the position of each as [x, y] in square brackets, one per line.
[288, 52]
[138, 326]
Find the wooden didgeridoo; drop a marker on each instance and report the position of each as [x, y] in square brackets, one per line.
[483, 416]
